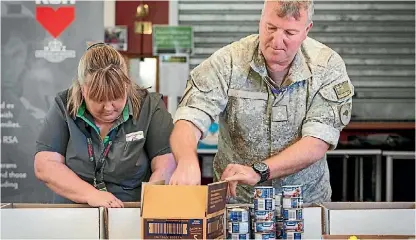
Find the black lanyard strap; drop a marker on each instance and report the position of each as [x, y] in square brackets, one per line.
[100, 162]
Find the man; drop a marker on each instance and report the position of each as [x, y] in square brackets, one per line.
[281, 98]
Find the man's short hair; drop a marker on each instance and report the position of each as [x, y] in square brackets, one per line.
[292, 8]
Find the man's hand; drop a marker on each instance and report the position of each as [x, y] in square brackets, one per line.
[186, 174]
[236, 173]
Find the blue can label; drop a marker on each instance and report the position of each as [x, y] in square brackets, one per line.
[264, 204]
[292, 203]
[264, 226]
[292, 214]
[238, 215]
[292, 191]
[265, 236]
[295, 226]
[292, 235]
[236, 236]
[264, 192]
[264, 215]
[238, 227]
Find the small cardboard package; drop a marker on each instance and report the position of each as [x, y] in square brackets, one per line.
[183, 212]
[123, 223]
[50, 221]
[369, 218]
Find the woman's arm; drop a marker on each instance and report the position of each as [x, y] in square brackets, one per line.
[50, 168]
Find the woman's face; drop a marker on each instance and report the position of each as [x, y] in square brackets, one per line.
[104, 111]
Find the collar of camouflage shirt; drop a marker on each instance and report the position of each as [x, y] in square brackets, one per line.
[298, 70]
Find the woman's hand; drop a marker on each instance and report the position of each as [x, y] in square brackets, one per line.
[104, 199]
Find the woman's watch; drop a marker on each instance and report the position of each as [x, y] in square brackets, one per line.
[263, 170]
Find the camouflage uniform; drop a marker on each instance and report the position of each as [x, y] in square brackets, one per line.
[258, 121]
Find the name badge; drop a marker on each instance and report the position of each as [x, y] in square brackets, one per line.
[134, 136]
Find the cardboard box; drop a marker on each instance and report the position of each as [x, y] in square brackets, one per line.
[369, 218]
[183, 212]
[366, 237]
[312, 220]
[50, 221]
[123, 223]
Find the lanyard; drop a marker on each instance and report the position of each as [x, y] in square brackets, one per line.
[100, 162]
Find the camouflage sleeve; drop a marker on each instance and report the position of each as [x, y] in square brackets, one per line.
[205, 96]
[330, 110]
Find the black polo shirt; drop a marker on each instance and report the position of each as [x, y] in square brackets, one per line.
[136, 143]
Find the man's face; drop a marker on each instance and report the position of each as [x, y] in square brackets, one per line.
[281, 37]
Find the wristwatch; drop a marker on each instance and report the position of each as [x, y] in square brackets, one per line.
[263, 170]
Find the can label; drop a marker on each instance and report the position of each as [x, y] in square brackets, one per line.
[264, 215]
[278, 199]
[264, 226]
[292, 203]
[238, 215]
[265, 236]
[236, 236]
[238, 227]
[292, 191]
[292, 235]
[264, 192]
[295, 226]
[292, 214]
[264, 204]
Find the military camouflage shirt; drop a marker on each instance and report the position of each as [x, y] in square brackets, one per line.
[258, 120]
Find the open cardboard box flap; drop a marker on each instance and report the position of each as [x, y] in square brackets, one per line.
[188, 201]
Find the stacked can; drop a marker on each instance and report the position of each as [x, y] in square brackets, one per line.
[292, 206]
[238, 223]
[264, 213]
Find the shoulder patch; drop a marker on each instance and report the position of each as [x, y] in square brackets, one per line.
[342, 90]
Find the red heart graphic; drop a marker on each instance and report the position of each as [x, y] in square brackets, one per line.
[55, 21]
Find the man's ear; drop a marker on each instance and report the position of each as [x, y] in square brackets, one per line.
[309, 27]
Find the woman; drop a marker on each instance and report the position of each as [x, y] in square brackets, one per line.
[104, 136]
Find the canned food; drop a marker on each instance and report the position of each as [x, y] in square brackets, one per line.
[264, 192]
[264, 204]
[264, 226]
[292, 191]
[238, 227]
[292, 203]
[278, 199]
[292, 235]
[278, 213]
[264, 215]
[292, 214]
[238, 215]
[237, 236]
[295, 226]
[265, 236]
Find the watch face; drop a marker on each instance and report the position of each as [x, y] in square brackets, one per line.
[260, 166]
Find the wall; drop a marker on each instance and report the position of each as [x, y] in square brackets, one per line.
[126, 15]
[29, 85]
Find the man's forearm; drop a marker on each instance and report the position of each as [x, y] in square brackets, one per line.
[184, 141]
[300, 155]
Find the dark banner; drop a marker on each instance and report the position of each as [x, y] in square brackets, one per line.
[41, 44]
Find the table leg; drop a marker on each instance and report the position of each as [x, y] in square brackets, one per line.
[378, 178]
[356, 179]
[344, 178]
[389, 179]
[361, 178]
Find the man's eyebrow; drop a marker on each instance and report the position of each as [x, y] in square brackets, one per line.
[295, 30]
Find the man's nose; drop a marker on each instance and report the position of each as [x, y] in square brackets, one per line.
[278, 39]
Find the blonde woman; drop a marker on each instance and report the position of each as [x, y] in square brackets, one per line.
[104, 135]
